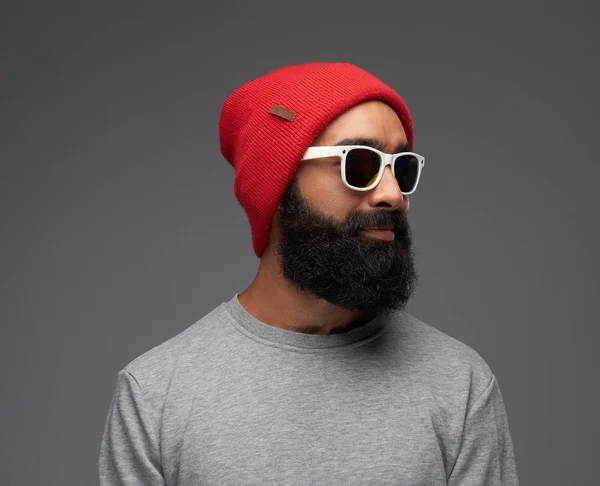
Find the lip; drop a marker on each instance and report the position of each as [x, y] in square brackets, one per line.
[380, 228]
[380, 233]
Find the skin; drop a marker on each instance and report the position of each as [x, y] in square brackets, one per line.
[270, 298]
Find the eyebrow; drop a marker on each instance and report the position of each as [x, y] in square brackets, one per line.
[373, 143]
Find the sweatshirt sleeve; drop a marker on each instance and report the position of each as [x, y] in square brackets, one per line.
[486, 455]
[129, 450]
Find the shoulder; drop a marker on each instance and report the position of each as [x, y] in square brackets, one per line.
[448, 364]
[155, 369]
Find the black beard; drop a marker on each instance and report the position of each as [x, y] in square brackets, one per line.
[336, 262]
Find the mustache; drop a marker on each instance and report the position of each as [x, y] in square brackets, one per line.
[357, 221]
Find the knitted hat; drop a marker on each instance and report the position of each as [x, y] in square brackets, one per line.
[267, 124]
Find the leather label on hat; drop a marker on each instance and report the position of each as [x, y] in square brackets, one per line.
[284, 113]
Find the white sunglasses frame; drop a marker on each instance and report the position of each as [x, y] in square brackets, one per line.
[341, 151]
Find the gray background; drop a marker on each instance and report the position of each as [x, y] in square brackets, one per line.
[119, 227]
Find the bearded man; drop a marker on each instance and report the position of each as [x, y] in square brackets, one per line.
[315, 373]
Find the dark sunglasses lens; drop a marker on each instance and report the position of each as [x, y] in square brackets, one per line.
[362, 167]
[406, 168]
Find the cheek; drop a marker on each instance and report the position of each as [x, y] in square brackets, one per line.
[326, 192]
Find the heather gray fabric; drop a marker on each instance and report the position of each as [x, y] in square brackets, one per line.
[233, 401]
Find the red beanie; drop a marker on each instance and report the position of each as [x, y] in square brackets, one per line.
[267, 124]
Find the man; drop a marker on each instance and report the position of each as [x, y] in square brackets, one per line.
[315, 374]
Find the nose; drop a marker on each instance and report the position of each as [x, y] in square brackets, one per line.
[387, 193]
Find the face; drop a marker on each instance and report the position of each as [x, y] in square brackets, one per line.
[323, 243]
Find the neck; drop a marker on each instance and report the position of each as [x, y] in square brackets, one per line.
[272, 299]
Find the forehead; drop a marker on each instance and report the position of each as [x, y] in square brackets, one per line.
[371, 119]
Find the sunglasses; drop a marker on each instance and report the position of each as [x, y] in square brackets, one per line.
[362, 166]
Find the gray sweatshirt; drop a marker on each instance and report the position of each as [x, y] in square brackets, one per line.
[231, 400]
